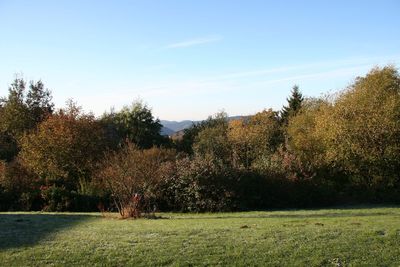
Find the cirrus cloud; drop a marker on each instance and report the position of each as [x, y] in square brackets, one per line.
[195, 41]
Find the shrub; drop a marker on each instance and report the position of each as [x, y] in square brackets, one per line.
[20, 187]
[56, 198]
[131, 175]
[201, 184]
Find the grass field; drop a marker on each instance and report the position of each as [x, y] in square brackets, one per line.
[328, 237]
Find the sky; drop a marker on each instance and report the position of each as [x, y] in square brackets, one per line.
[191, 59]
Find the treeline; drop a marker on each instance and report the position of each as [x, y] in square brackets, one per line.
[343, 148]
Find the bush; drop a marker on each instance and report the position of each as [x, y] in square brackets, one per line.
[131, 176]
[255, 190]
[56, 198]
[19, 186]
[199, 185]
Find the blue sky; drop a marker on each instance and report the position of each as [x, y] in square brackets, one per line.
[190, 59]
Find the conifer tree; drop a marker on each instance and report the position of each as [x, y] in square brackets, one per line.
[294, 104]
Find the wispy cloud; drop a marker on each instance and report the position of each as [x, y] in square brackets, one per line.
[315, 66]
[195, 41]
[233, 81]
[265, 77]
[158, 67]
[257, 81]
[341, 72]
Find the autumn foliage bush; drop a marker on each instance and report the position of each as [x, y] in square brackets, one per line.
[131, 176]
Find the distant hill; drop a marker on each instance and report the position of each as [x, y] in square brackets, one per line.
[171, 127]
[177, 125]
[167, 131]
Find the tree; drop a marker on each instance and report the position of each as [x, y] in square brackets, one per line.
[212, 141]
[253, 137]
[294, 104]
[302, 132]
[64, 148]
[136, 124]
[15, 117]
[39, 102]
[21, 111]
[361, 129]
[304, 149]
[190, 134]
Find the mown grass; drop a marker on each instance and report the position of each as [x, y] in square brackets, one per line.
[328, 237]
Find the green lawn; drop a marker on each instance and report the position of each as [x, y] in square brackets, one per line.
[328, 237]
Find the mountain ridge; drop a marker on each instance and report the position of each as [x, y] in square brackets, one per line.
[171, 127]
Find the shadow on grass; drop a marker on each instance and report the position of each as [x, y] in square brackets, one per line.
[22, 230]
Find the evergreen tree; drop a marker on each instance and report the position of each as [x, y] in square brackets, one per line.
[294, 104]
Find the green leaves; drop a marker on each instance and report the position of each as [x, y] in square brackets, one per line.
[20, 112]
[136, 124]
